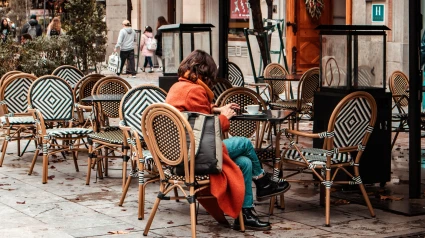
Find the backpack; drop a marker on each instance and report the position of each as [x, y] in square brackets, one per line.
[151, 44]
[32, 31]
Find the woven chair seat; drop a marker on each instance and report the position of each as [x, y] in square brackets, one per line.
[18, 120]
[317, 156]
[290, 105]
[68, 131]
[114, 136]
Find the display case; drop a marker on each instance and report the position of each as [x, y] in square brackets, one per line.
[179, 40]
[353, 57]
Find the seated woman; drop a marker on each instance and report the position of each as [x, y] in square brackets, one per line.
[192, 92]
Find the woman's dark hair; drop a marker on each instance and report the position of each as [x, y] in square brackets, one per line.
[148, 29]
[199, 64]
[161, 22]
[4, 27]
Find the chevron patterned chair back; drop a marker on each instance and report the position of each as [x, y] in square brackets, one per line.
[235, 75]
[275, 70]
[131, 108]
[344, 142]
[69, 73]
[7, 75]
[14, 110]
[51, 101]
[220, 86]
[53, 97]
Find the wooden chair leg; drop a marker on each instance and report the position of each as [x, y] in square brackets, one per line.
[151, 216]
[241, 222]
[18, 140]
[271, 207]
[124, 191]
[141, 212]
[282, 201]
[3, 149]
[45, 167]
[124, 172]
[89, 161]
[105, 161]
[34, 159]
[395, 138]
[193, 219]
[366, 198]
[176, 194]
[328, 207]
[74, 157]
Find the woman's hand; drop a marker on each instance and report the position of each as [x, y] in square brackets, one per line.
[233, 106]
[228, 110]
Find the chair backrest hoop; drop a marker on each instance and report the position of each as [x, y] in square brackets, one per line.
[165, 131]
[243, 97]
[53, 97]
[15, 92]
[7, 75]
[235, 75]
[136, 101]
[110, 85]
[398, 84]
[350, 121]
[69, 73]
[275, 70]
[308, 85]
[88, 81]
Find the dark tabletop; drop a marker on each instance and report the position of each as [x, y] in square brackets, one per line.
[104, 98]
[267, 115]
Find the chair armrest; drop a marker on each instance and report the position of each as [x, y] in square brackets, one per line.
[85, 108]
[123, 127]
[299, 133]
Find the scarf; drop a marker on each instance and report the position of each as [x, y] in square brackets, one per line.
[201, 83]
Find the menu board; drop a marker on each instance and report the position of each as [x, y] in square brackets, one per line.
[239, 9]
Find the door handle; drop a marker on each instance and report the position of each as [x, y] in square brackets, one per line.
[294, 26]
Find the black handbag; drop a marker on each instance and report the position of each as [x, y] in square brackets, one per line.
[208, 144]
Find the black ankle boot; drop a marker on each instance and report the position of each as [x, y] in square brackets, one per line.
[267, 188]
[251, 221]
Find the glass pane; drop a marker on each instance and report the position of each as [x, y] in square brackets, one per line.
[334, 60]
[186, 44]
[202, 41]
[170, 52]
[370, 61]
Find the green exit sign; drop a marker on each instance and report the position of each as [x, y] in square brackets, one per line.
[378, 12]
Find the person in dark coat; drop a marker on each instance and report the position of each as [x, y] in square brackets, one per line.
[158, 37]
[32, 27]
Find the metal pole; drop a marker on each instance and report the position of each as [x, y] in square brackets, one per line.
[415, 82]
[44, 14]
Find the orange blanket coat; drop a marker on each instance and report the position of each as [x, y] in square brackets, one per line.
[227, 187]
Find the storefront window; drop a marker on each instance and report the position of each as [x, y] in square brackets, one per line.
[239, 19]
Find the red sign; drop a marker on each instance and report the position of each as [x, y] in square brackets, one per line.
[239, 9]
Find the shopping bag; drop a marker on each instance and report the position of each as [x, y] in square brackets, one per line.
[114, 63]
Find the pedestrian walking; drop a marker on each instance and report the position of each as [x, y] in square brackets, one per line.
[146, 42]
[32, 27]
[4, 29]
[126, 39]
[55, 28]
[158, 36]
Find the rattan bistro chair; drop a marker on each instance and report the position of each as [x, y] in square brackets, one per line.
[107, 138]
[398, 84]
[131, 108]
[19, 124]
[83, 89]
[51, 101]
[275, 70]
[68, 73]
[7, 75]
[168, 136]
[349, 129]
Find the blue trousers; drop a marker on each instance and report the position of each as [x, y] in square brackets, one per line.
[243, 154]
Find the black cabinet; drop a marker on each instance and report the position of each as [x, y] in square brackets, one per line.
[375, 164]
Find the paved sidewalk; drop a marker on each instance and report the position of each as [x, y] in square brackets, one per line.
[66, 207]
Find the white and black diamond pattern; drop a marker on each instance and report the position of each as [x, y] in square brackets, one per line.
[219, 88]
[68, 73]
[235, 75]
[135, 102]
[53, 97]
[352, 122]
[15, 95]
